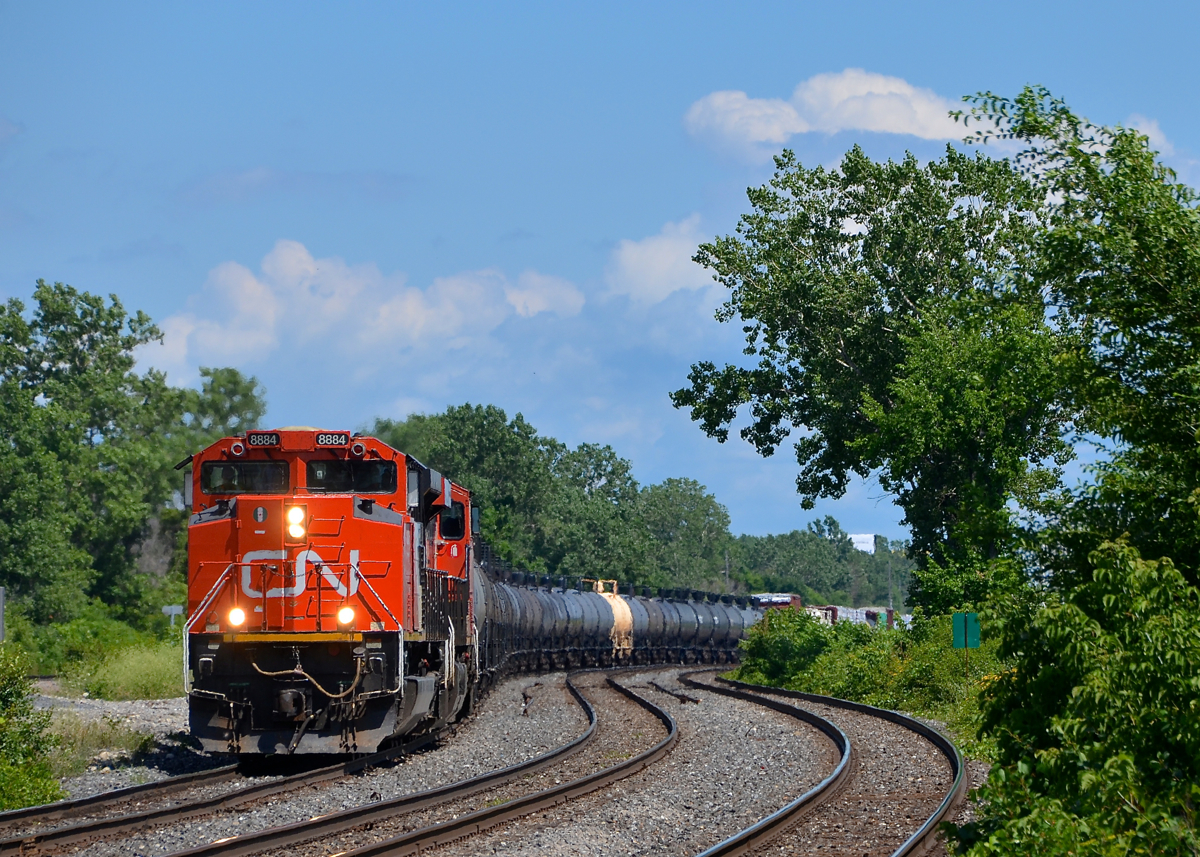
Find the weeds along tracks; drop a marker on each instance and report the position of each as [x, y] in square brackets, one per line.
[903, 778]
[37, 817]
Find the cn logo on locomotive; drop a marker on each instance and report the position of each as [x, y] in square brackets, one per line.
[303, 560]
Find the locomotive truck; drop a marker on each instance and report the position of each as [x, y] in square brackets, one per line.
[339, 598]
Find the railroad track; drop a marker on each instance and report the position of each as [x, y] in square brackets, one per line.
[844, 813]
[374, 818]
[841, 813]
[33, 817]
[453, 819]
[124, 810]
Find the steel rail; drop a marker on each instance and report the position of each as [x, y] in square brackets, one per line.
[767, 828]
[484, 819]
[49, 840]
[347, 819]
[64, 809]
[925, 836]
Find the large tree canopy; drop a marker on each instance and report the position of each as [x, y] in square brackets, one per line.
[899, 327]
[88, 445]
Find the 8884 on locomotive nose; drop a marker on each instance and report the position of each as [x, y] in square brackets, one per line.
[329, 605]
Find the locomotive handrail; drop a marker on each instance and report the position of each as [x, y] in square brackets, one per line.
[381, 602]
[204, 604]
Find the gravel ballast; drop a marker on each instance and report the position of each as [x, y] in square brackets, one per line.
[734, 762]
[521, 718]
[624, 729]
[898, 780]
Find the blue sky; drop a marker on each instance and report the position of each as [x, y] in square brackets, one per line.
[381, 209]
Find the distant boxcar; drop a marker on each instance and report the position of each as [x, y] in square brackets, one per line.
[777, 600]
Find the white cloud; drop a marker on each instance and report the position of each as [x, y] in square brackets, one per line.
[1153, 131]
[734, 115]
[536, 293]
[850, 100]
[651, 269]
[327, 310]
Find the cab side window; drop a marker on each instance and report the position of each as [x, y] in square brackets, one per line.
[453, 522]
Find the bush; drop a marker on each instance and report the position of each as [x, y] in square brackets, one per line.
[25, 775]
[1098, 746]
[915, 670]
[59, 647]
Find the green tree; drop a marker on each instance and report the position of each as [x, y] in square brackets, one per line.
[897, 323]
[688, 532]
[80, 430]
[503, 462]
[1095, 723]
[88, 450]
[591, 525]
[571, 512]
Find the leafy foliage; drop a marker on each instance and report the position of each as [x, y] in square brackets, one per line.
[1096, 727]
[822, 564]
[575, 512]
[86, 466]
[1096, 722]
[25, 775]
[913, 669]
[581, 513]
[897, 321]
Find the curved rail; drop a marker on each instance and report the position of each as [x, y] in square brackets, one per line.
[98, 828]
[328, 825]
[923, 838]
[63, 809]
[754, 835]
[483, 819]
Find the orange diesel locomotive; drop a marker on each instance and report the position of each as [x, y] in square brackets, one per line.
[325, 573]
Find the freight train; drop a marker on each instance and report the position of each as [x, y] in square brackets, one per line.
[340, 598]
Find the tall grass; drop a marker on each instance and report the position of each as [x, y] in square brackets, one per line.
[79, 740]
[152, 671]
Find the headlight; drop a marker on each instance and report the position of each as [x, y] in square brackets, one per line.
[345, 616]
[295, 519]
[237, 617]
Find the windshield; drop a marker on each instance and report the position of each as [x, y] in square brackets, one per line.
[352, 477]
[244, 477]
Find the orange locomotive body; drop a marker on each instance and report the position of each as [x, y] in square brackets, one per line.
[329, 594]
